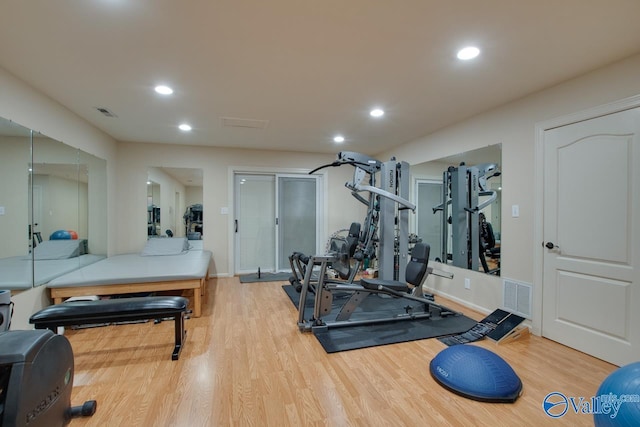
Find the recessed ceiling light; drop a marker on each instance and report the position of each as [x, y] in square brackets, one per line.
[163, 90]
[377, 112]
[338, 139]
[184, 127]
[468, 52]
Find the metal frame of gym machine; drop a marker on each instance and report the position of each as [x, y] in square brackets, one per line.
[387, 211]
[462, 188]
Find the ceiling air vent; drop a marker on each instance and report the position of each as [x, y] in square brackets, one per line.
[244, 123]
[105, 112]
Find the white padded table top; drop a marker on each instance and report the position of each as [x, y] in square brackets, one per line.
[15, 272]
[134, 268]
[196, 245]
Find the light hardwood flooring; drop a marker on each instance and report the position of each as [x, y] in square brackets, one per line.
[246, 364]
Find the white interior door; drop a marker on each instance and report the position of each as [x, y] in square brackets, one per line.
[591, 290]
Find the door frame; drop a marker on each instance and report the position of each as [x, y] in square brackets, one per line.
[413, 219]
[538, 224]
[233, 170]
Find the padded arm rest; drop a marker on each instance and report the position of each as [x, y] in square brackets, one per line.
[373, 284]
[121, 309]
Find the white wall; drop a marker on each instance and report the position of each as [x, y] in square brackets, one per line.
[134, 159]
[513, 125]
[34, 110]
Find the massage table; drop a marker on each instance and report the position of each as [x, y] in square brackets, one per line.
[148, 271]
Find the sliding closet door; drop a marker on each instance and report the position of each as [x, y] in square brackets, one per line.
[255, 228]
[297, 216]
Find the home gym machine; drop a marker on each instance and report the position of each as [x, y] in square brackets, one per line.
[384, 237]
[193, 222]
[461, 192]
[338, 257]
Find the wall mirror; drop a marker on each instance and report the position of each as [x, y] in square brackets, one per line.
[177, 193]
[15, 144]
[427, 193]
[153, 209]
[54, 201]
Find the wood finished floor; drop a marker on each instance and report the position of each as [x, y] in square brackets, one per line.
[246, 364]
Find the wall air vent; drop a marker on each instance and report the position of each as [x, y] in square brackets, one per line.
[516, 297]
[106, 112]
[235, 122]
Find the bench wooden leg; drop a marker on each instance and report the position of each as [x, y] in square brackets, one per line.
[180, 335]
[197, 303]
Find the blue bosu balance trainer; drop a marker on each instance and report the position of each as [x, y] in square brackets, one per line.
[476, 373]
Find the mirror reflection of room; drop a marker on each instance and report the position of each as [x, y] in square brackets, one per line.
[193, 221]
[174, 202]
[15, 145]
[459, 204]
[47, 223]
[153, 209]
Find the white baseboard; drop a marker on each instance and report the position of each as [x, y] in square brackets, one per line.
[460, 301]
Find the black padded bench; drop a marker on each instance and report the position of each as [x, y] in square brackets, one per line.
[116, 310]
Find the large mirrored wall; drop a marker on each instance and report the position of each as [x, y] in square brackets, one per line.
[427, 183]
[53, 204]
[174, 202]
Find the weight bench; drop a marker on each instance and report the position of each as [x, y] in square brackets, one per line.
[116, 310]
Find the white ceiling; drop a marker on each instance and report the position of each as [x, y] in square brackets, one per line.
[309, 68]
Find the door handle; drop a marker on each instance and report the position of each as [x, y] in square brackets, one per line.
[551, 245]
[236, 222]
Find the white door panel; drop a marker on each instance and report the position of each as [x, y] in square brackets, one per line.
[255, 223]
[592, 216]
[275, 215]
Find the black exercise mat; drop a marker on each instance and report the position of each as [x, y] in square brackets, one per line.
[264, 277]
[355, 337]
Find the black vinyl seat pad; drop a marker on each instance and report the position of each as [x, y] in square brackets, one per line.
[120, 309]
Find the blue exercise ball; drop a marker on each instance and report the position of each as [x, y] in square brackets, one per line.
[60, 235]
[619, 396]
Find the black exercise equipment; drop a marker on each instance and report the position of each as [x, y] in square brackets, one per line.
[193, 221]
[341, 249]
[416, 271]
[116, 310]
[6, 310]
[462, 188]
[415, 274]
[384, 238]
[36, 380]
[384, 188]
[488, 245]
